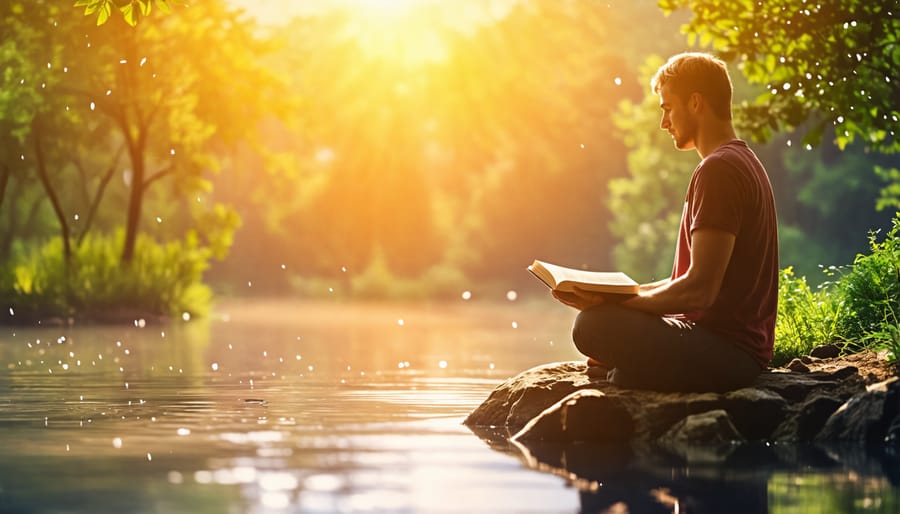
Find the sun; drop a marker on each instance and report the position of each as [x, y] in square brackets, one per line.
[388, 9]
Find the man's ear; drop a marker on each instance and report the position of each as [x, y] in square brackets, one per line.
[695, 102]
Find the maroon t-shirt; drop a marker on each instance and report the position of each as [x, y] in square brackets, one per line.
[730, 191]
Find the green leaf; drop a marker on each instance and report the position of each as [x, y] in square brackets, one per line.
[131, 14]
[146, 5]
[164, 6]
[91, 6]
[105, 12]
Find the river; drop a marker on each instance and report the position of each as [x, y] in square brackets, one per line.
[273, 406]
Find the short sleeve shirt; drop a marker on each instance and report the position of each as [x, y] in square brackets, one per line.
[730, 191]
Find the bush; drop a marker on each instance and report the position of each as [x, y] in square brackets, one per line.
[872, 288]
[807, 317]
[162, 280]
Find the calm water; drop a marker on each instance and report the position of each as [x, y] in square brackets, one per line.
[300, 407]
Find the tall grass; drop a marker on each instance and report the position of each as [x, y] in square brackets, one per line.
[806, 318]
[162, 280]
[858, 309]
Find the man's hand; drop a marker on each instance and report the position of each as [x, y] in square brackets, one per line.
[579, 299]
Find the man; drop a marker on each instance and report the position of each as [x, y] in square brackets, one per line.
[710, 326]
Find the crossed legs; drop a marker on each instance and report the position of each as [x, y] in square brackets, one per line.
[664, 354]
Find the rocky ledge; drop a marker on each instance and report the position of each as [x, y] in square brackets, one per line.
[813, 399]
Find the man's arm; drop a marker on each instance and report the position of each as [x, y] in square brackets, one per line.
[694, 291]
[650, 286]
[697, 289]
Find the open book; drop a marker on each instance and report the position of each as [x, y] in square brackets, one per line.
[560, 278]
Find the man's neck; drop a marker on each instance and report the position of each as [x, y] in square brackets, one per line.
[714, 137]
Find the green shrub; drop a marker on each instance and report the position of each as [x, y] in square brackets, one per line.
[872, 288]
[807, 317]
[162, 280]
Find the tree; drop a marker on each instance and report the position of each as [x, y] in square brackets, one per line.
[168, 89]
[832, 63]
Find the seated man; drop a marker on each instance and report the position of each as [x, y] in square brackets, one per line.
[711, 325]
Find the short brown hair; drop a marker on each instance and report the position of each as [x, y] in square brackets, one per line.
[697, 72]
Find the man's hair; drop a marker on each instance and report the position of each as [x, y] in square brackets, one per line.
[697, 72]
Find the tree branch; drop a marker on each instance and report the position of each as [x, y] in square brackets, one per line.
[168, 170]
[98, 195]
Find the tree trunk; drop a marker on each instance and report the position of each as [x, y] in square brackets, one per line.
[51, 193]
[4, 179]
[135, 199]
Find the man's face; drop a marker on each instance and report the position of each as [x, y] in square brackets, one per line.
[677, 119]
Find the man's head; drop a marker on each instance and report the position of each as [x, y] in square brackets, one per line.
[696, 72]
[692, 86]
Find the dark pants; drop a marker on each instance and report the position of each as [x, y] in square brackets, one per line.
[663, 354]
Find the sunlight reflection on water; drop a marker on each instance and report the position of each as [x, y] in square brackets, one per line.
[306, 410]
[270, 408]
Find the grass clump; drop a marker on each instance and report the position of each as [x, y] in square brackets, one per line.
[807, 317]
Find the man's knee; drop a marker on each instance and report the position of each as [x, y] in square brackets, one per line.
[592, 325]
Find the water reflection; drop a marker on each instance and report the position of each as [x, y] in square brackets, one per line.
[748, 479]
[276, 408]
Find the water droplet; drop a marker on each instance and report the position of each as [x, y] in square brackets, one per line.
[618, 81]
[108, 92]
[13, 313]
[117, 442]
[149, 457]
[442, 364]
[123, 61]
[158, 219]
[186, 316]
[400, 322]
[283, 266]
[515, 324]
[93, 106]
[143, 60]
[171, 151]
[183, 431]
[511, 295]
[491, 366]
[215, 366]
[467, 295]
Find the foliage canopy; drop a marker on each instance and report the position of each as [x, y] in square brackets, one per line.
[831, 64]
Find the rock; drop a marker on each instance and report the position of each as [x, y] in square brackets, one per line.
[586, 415]
[798, 366]
[755, 412]
[706, 437]
[830, 401]
[516, 401]
[826, 351]
[863, 418]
